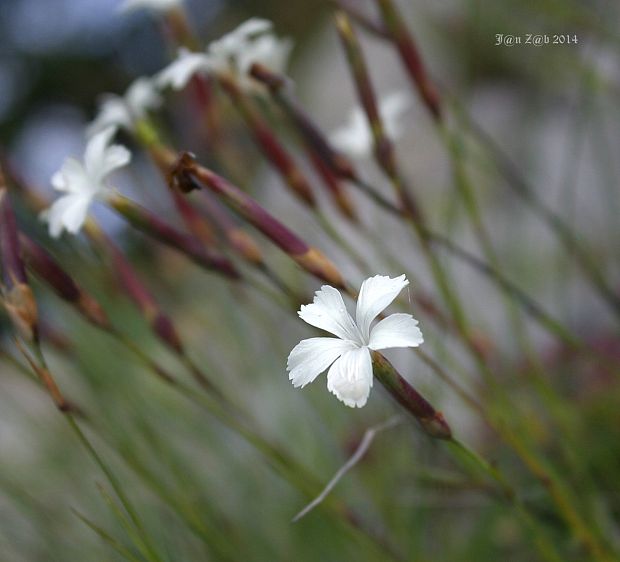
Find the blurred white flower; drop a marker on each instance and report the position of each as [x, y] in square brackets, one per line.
[355, 138]
[179, 72]
[350, 375]
[235, 52]
[156, 5]
[82, 182]
[123, 111]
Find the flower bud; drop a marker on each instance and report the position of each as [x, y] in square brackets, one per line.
[328, 163]
[188, 175]
[136, 291]
[281, 160]
[383, 147]
[17, 295]
[410, 56]
[431, 421]
[154, 227]
[238, 238]
[51, 273]
[313, 136]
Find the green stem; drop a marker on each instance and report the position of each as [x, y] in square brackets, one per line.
[546, 547]
[116, 486]
[564, 233]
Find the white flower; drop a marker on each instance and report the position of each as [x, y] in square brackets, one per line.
[81, 183]
[124, 111]
[156, 5]
[355, 138]
[235, 52]
[350, 375]
[179, 72]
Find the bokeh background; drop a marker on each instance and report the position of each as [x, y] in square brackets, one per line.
[554, 109]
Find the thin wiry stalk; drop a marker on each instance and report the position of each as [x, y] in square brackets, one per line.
[149, 549]
[360, 451]
[562, 230]
[107, 538]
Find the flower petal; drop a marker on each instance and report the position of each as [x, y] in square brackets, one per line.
[95, 149]
[309, 358]
[350, 377]
[391, 109]
[253, 26]
[328, 312]
[354, 138]
[142, 96]
[100, 158]
[113, 112]
[178, 73]
[67, 212]
[397, 330]
[71, 177]
[376, 294]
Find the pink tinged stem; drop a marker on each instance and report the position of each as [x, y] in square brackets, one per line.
[194, 221]
[383, 148]
[277, 85]
[328, 163]
[13, 269]
[52, 274]
[410, 55]
[431, 421]
[281, 160]
[188, 175]
[48, 382]
[202, 88]
[142, 219]
[239, 240]
[17, 295]
[333, 185]
[136, 291]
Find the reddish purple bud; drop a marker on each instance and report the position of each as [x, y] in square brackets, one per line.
[188, 175]
[17, 295]
[310, 132]
[281, 160]
[383, 148]
[51, 273]
[13, 270]
[194, 221]
[46, 267]
[161, 324]
[238, 238]
[410, 56]
[329, 164]
[147, 222]
[431, 421]
[335, 188]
